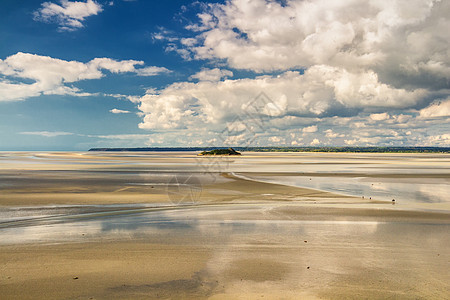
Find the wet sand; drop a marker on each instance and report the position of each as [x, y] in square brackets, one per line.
[76, 228]
[262, 252]
[46, 188]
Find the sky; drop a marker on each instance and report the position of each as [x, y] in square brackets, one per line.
[142, 73]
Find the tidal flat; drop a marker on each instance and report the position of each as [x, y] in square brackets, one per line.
[171, 225]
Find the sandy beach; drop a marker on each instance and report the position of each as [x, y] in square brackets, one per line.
[166, 225]
[225, 149]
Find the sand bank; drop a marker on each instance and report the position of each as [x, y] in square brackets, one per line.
[47, 188]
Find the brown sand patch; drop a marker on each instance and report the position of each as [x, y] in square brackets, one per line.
[101, 270]
[255, 269]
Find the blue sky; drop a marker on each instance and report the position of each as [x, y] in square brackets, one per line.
[82, 74]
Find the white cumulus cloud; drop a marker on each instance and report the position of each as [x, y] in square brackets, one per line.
[310, 129]
[275, 139]
[319, 91]
[151, 71]
[442, 140]
[56, 76]
[360, 69]
[69, 15]
[438, 109]
[215, 74]
[402, 41]
[380, 117]
[315, 142]
[119, 111]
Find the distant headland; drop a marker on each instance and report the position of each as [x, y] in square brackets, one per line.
[286, 149]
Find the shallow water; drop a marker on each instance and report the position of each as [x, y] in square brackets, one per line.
[380, 188]
[215, 223]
